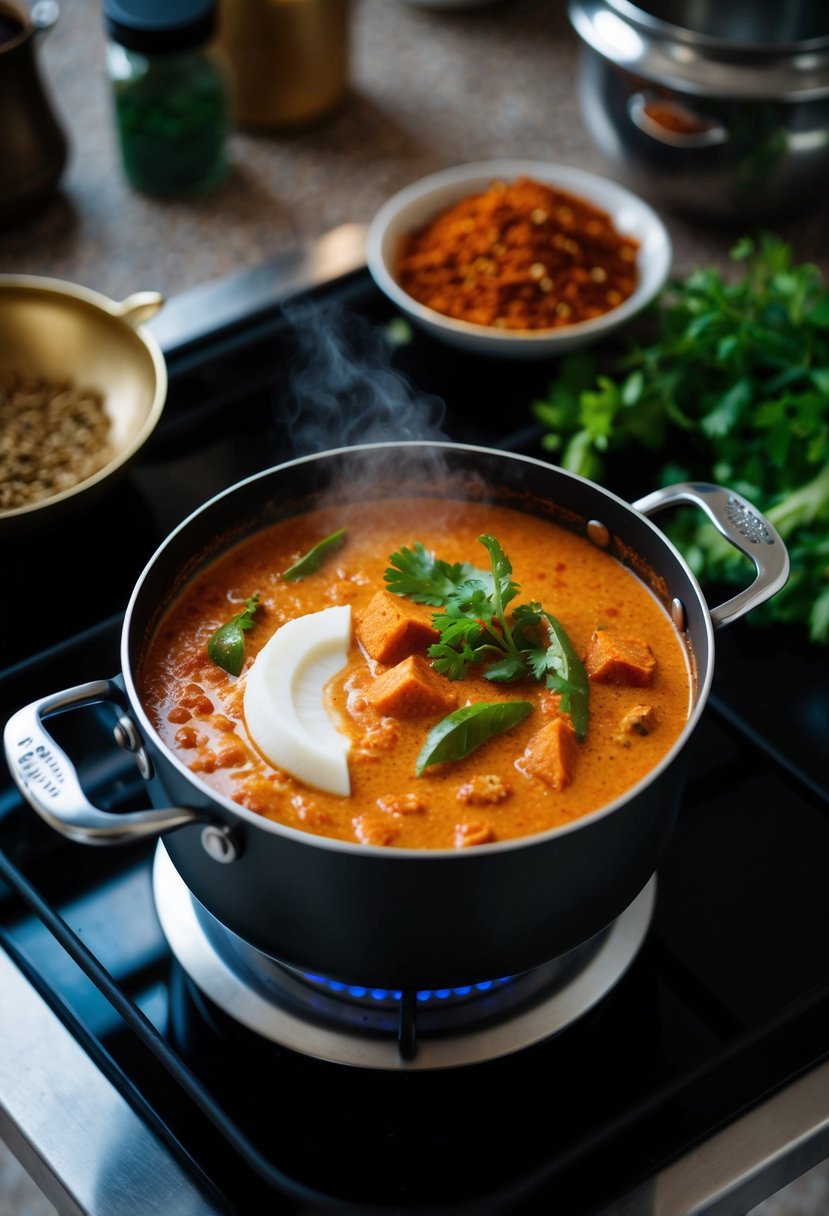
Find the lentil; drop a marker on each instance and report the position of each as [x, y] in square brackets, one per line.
[52, 437]
[534, 247]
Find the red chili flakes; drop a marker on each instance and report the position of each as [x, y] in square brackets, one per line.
[520, 256]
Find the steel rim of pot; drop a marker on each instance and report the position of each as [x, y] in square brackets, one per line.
[559, 887]
[699, 63]
[234, 811]
[49, 781]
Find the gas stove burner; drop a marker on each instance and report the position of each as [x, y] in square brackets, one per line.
[390, 998]
[384, 1028]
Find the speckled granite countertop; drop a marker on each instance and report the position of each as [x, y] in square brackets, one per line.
[428, 89]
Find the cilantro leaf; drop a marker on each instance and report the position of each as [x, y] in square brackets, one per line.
[475, 627]
[450, 661]
[422, 577]
[735, 376]
[505, 589]
[503, 671]
[568, 676]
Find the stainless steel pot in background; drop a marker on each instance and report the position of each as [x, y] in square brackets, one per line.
[719, 109]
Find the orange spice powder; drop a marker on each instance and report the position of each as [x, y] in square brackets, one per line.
[520, 256]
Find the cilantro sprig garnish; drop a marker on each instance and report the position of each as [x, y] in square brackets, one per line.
[226, 647]
[476, 627]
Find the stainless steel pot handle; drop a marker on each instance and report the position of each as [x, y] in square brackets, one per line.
[744, 527]
[49, 782]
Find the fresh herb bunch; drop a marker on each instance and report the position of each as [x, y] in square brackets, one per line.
[737, 381]
[474, 626]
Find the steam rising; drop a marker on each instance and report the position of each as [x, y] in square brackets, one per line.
[344, 390]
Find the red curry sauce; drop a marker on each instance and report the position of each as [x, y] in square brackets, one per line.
[500, 791]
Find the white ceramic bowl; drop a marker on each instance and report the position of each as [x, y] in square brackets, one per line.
[414, 206]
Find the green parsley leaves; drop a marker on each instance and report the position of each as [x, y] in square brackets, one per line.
[734, 379]
[226, 646]
[475, 626]
[421, 577]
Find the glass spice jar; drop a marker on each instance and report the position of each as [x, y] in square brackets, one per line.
[170, 94]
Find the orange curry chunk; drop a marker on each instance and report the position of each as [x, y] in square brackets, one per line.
[477, 831]
[391, 628]
[551, 753]
[401, 804]
[483, 789]
[375, 829]
[640, 720]
[411, 690]
[612, 659]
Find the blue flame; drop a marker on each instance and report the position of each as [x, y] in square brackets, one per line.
[424, 995]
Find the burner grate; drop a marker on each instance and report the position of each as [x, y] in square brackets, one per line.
[727, 1002]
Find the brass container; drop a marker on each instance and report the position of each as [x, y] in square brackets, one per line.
[59, 331]
[288, 59]
[33, 147]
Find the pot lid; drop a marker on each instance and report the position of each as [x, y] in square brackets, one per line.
[707, 61]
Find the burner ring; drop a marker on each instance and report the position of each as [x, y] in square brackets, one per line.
[260, 993]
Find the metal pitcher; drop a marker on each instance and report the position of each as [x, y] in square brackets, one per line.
[33, 146]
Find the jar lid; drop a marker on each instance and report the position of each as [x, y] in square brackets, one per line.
[160, 25]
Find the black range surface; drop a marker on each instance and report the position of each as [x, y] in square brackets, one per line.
[725, 1006]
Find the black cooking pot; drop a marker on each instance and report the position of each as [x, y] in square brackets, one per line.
[390, 916]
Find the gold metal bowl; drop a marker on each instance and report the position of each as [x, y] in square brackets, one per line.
[58, 331]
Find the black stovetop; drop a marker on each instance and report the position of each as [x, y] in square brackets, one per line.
[727, 1001]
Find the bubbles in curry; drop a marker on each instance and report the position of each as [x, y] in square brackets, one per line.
[418, 673]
